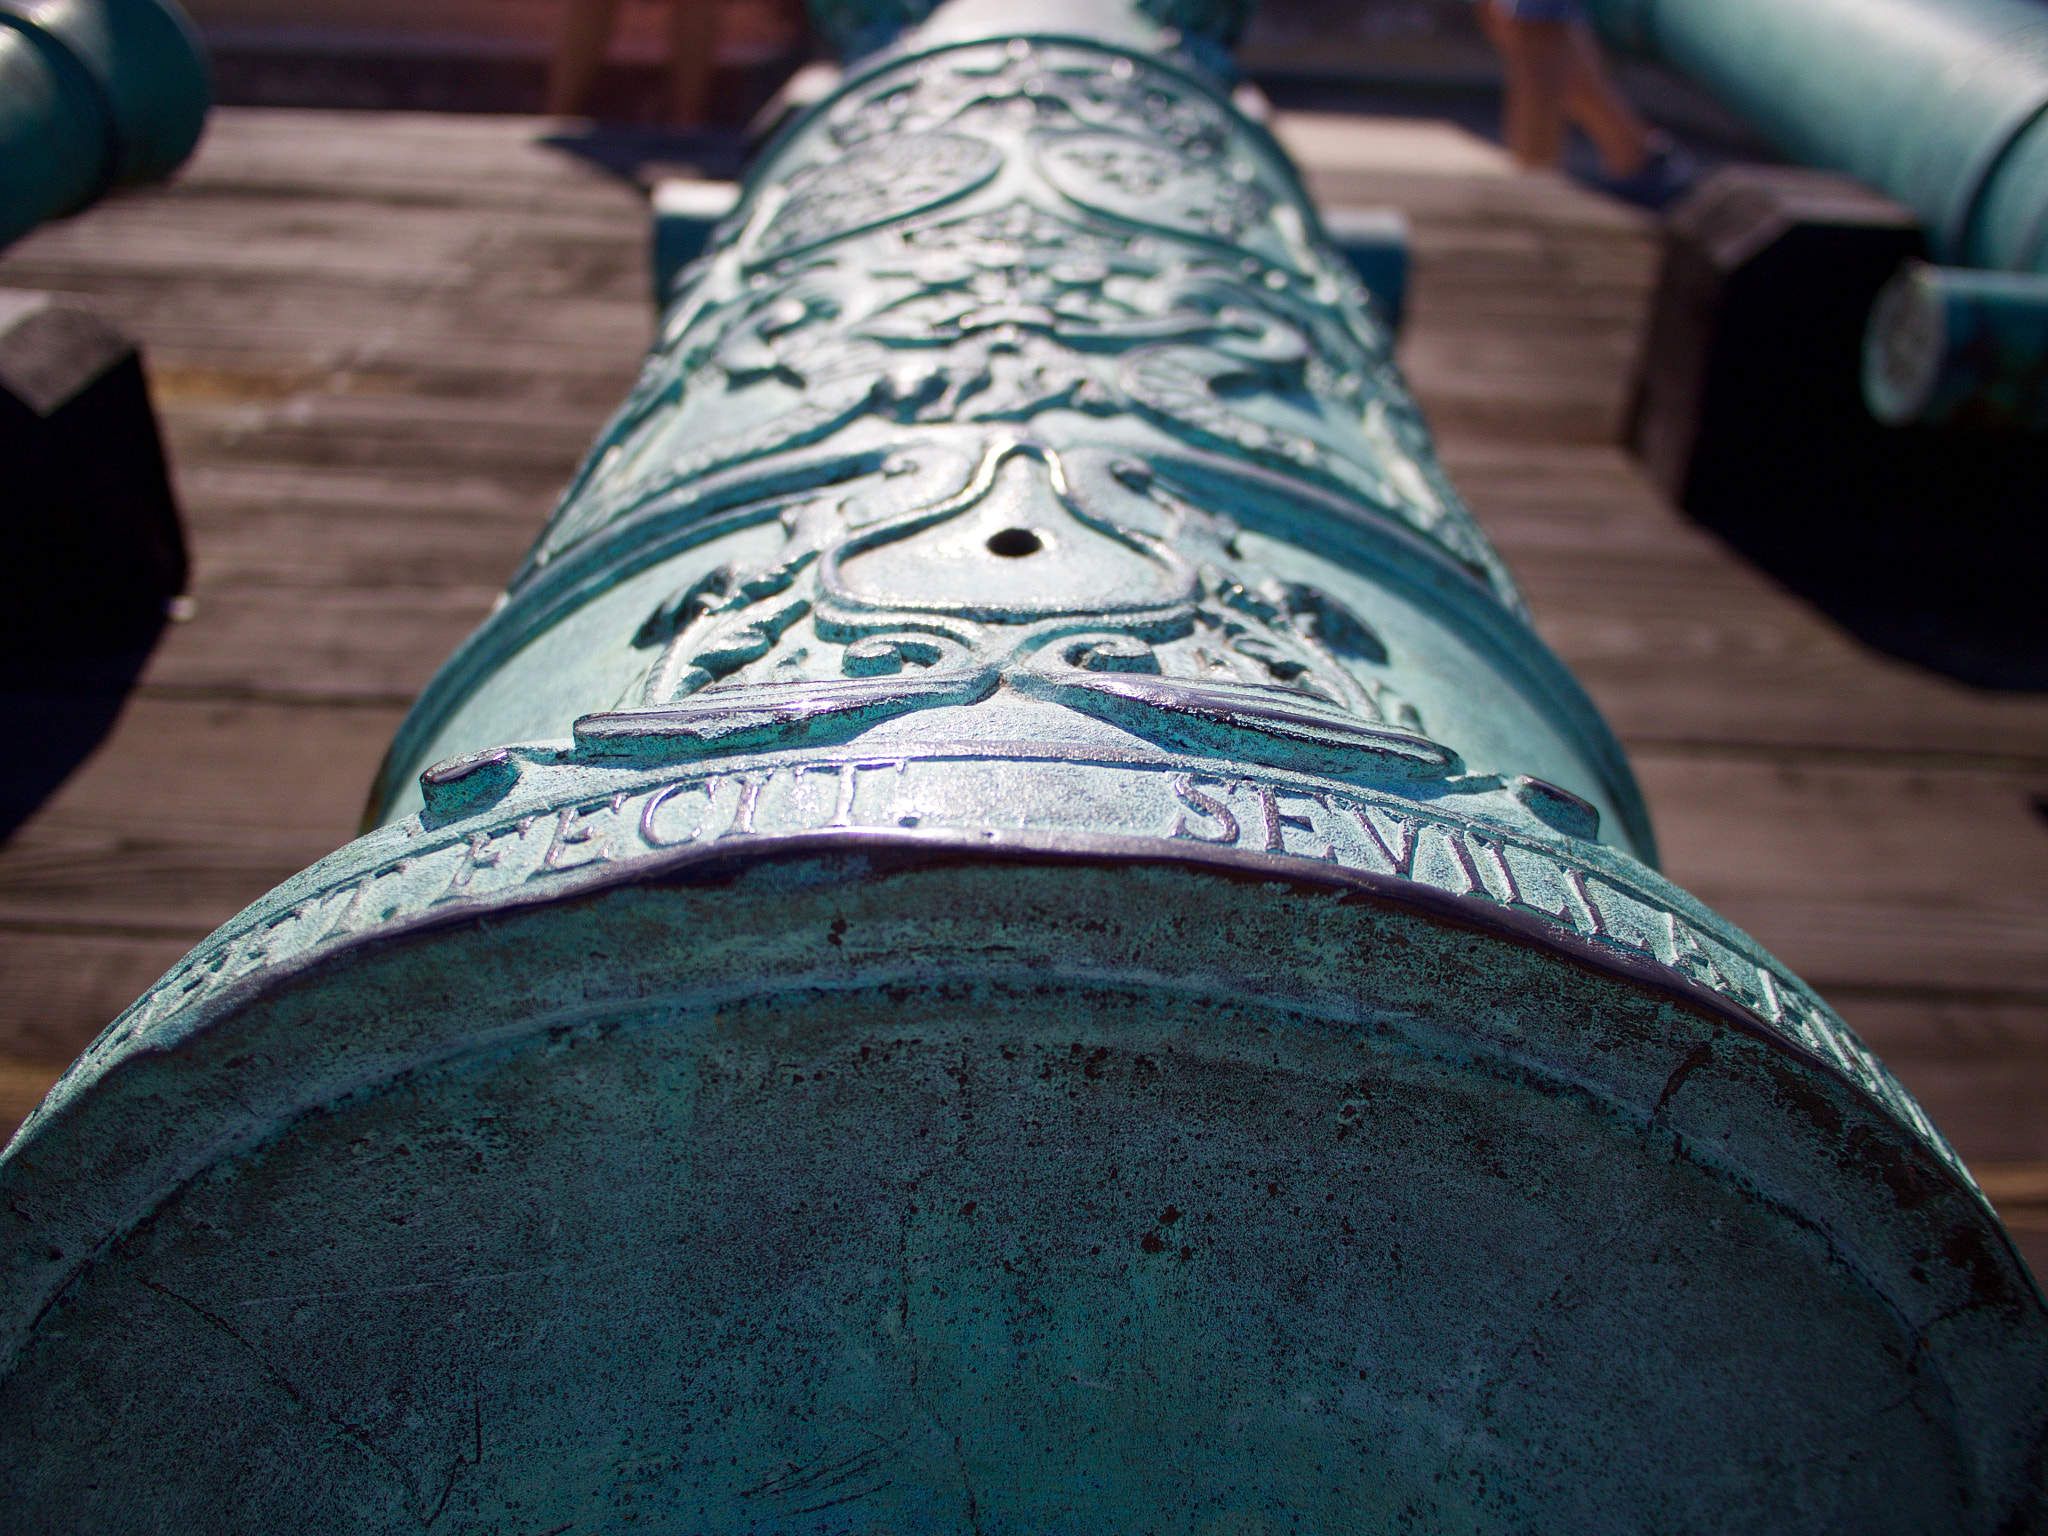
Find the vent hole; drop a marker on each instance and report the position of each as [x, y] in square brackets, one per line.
[1015, 543]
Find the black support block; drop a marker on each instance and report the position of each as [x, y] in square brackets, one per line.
[87, 506]
[1748, 411]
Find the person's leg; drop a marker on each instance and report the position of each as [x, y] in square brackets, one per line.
[1537, 56]
[1492, 23]
[1595, 103]
[579, 50]
[692, 42]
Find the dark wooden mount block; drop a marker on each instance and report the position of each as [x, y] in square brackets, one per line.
[1755, 333]
[88, 505]
[1747, 410]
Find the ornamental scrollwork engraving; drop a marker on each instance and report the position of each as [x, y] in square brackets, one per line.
[873, 184]
[858, 24]
[1080, 244]
[1076, 576]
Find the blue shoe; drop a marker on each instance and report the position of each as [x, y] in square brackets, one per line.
[1664, 178]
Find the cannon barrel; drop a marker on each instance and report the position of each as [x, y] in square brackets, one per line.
[1008, 928]
[1942, 104]
[94, 94]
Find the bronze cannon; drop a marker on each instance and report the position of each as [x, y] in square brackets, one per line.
[1007, 929]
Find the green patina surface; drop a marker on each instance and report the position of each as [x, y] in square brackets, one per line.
[1008, 930]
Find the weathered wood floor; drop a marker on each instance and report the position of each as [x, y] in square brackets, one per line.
[380, 342]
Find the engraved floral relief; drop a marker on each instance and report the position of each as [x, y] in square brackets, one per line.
[870, 22]
[873, 184]
[1017, 86]
[1214, 197]
[1046, 236]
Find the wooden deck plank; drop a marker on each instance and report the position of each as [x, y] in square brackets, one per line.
[405, 158]
[1526, 300]
[60, 989]
[230, 492]
[1678, 641]
[376, 647]
[1862, 875]
[308, 286]
[297, 545]
[190, 811]
[492, 438]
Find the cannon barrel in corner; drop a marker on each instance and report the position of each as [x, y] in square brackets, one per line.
[94, 94]
[1941, 104]
[1008, 928]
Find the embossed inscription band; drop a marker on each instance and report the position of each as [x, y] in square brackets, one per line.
[633, 822]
